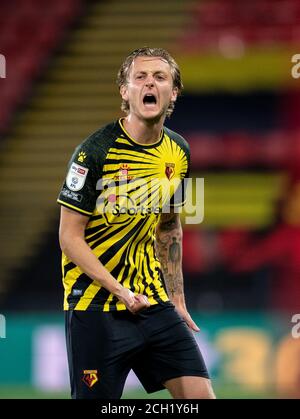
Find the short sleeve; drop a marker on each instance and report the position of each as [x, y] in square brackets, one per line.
[79, 189]
[179, 197]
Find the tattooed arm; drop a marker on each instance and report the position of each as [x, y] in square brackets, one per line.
[169, 251]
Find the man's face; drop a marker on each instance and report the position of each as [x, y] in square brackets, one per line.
[149, 88]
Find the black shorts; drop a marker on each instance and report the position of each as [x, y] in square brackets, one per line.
[104, 346]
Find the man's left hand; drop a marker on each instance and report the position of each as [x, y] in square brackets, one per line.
[187, 318]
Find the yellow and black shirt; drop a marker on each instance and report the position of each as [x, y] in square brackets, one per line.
[123, 186]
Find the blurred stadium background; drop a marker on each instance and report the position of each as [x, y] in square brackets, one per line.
[240, 112]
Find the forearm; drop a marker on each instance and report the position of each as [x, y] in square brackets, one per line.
[78, 251]
[169, 252]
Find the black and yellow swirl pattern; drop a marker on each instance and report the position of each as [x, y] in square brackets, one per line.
[125, 188]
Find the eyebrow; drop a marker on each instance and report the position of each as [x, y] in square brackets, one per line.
[155, 72]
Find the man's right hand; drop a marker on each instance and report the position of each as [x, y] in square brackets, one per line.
[134, 303]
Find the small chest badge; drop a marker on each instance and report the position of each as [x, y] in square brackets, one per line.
[123, 172]
[170, 170]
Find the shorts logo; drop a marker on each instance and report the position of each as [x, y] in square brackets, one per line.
[76, 177]
[90, 377]
[170, 170]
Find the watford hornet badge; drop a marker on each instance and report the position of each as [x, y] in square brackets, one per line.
[90, 377]
[170, 170]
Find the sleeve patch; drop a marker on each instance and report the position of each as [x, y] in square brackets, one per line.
[76, 177]
[71, 195]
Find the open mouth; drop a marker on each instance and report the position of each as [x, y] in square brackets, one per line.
[149, 99]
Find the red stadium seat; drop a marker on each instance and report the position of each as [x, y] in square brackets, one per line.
[260, 22]
[29, 30]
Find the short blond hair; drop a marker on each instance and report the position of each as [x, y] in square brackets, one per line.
[149, 52]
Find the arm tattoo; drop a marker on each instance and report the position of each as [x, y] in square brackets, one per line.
[169, 251]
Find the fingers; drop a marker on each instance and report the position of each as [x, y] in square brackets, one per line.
[130, 300]
[189, 321]
[192, 325]
[141, 302]
[142, 299]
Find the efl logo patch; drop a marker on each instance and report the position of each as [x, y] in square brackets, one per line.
[90, 377]
[76, 177]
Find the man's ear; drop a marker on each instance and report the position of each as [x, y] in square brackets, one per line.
[174, 94]
[123, 92]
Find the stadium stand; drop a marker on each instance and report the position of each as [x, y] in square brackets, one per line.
[29, 32]
[244, 138]
[248, 120]
[216, 24]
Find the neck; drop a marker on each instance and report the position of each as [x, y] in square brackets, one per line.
[144, 132]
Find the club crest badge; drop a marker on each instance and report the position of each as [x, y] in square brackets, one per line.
[170, 170]
[90, 377]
